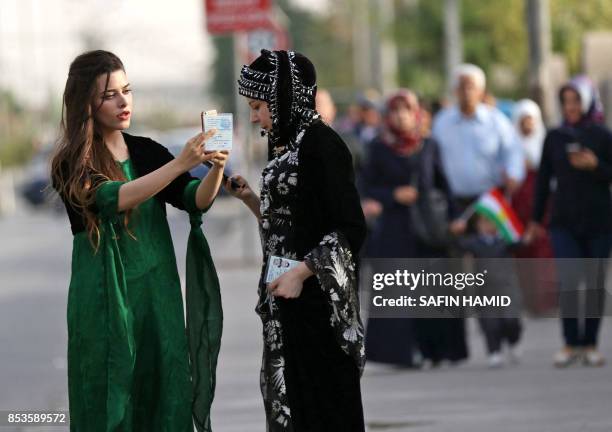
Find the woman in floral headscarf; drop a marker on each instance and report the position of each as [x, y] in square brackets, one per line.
[578, 155]
[308, 212]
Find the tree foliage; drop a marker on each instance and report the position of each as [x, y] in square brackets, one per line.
[494, 33]
[571, 19]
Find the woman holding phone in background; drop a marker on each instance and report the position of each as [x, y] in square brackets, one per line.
[308, 212]
[578, 155]
[128, 352]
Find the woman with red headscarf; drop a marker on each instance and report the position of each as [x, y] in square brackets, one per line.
[402, 167]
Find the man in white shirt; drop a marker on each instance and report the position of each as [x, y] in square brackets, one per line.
[478, 145]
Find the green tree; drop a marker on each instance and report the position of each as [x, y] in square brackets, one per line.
[419, 35]
[494, 33]
[16, 131]
[571, 19]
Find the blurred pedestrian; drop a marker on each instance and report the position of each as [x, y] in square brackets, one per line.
[326, 106]
[369, 118]
[366, 128]
[578, 157]
[478, 145]
[500, 326]
[309, 213]
[539, 292]
[403, 167]
[528, 124]
[347, 122]
[402, 163]
[129, 365]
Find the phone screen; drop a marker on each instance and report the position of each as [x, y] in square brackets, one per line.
[573, 147]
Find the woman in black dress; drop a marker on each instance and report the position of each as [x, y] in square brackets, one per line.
[402, 167]
[308, 211]
[578, 156]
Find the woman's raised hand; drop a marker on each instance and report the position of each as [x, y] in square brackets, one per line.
[244, 193]
[193, 154]
[219, 158]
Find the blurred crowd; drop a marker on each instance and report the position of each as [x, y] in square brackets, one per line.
[421, 166]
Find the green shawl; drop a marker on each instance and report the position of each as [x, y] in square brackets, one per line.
[203, 305]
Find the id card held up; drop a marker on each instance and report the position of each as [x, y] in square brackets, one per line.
[224, 125]
[279, 265]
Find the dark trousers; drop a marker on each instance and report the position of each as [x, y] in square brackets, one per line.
[593, 251]
[499, 330]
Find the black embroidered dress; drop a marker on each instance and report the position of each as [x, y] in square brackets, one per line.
[313, 345]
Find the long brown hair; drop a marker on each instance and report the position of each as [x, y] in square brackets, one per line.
[82, 161]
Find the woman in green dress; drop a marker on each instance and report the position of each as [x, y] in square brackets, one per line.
[132, 364]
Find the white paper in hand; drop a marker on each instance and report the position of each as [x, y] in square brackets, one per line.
[224, 125]
[278, 266]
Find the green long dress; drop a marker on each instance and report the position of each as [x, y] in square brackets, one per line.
[129, 365]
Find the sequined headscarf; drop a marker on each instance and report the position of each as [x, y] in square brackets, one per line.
[287, 82]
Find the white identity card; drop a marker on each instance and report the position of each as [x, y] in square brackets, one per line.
[278, 266]
[224, 124]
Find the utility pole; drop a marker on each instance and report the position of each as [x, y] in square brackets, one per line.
[384, 48]
[243, 134]
[362, 43]
[453, 43]
[537, 14]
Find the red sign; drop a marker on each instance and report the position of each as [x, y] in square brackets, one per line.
[226, 16]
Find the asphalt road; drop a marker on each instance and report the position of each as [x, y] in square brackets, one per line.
[531, 397]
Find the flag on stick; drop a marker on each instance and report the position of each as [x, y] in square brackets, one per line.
[494, 206]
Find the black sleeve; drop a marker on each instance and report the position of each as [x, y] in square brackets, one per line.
[75, 217]
[74, 214]
[373, 187]
[441, 182]
[542, 185]
[603, 171]
[467, 243]
[173, 193]
[331, 157]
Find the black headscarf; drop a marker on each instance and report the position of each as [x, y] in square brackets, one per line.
[287, 82]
